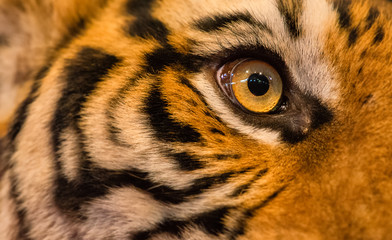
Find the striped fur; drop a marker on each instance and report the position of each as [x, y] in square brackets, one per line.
[121, 131]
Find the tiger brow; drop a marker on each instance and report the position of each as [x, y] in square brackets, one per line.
[218, 22]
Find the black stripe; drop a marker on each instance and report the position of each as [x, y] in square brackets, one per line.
[22, 112]
[111, 108]
[219, 22]
[240, 229]
[81, 77]
[172, 227]
[145, 25]
[14, 194]
[353, 36]
[371, 18]
[82, 74]
[363, 54]
[366, 99]
[321, 115]
[186, 161]
[342, 7]
[111, 125]
[178, 196]
[187, 83]
[96, 182]
[291, 11]
[165, 127]
[360, 70]
[217, 131]
[209, 112]
[380, 34]
[114, 133]
[135, 7]
[211, 221]
[157, 60]
[245, 187]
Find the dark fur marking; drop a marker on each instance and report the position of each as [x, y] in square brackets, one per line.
[291, 16]
[192, 102]
[14, 194]
[168, 56]
[211, 221]
[22, 112]
[96, 182]
[187, 83]
[165, 127]
[245, 187]
[291, 122]
[360, 70]
[208, 113]
[380, 34]
[112, 129]
[118, 99]
[320, 115]
[371, 18]
[145, 25]
[366, 99]
[82, 74]
[23, 108]
[172, 227]
[186, 161]
[240, 229]
[218, 22]
[113, 134]
[353, 36]
[139, 7]
[363, 54]
[217, 131]
[342, 7]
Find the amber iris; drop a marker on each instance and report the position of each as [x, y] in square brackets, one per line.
[253, 85]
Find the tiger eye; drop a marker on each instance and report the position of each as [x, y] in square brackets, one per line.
[253, 85]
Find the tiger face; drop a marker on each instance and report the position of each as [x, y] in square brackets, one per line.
[199, 119]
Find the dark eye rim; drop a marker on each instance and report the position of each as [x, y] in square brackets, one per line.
[301, 106]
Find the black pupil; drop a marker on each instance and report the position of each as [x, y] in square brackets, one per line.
[258, 84]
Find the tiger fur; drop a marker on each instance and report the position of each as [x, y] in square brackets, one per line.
[117, 129]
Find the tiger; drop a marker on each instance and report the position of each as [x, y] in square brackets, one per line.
[195, 119]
